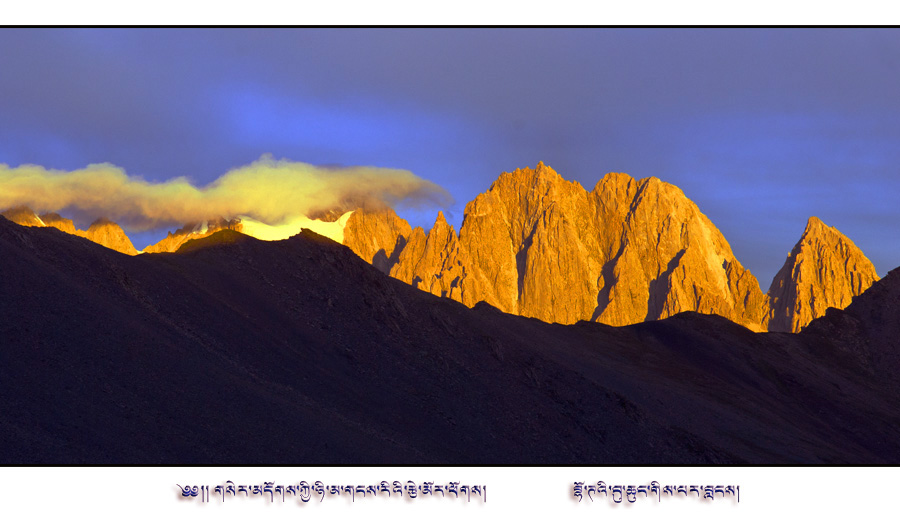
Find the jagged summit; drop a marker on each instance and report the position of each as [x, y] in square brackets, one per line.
[102, 231]
[813, 224]
[107, 233]
[434, 262]
[824, 269]
[527, 175]
[59, 222]
[537, 245]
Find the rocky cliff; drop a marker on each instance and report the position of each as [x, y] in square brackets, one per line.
[667, 257]
[537, 245]
[376, 236]
[434, 263]
[59, 222]
[825, 269]
[109, 234]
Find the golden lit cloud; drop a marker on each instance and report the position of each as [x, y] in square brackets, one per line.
[268, 190]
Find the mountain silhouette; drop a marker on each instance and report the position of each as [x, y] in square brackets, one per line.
[235, 350]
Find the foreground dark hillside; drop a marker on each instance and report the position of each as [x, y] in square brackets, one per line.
[236, 350]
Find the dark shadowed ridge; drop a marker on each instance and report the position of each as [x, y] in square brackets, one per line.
[220, 238]
[235, 350]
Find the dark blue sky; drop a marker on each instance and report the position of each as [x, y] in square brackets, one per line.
[761, 128]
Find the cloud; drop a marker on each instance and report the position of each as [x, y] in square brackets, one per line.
[268, 190]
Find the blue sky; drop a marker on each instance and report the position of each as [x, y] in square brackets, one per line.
[761, 128]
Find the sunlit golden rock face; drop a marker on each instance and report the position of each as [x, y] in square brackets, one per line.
[537, 245]
[825, 269]
[102, 231]
[626, 252]
[109, 234]
[60, 223]
[667, 257]
[377, 236]
[434, 263]
[533, 246]
[23, 216]
[173, 241]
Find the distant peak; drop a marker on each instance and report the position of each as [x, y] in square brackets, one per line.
[440, 223]
[544, 170]
[815, 228]
[527, 176]
[23, 216]
[814, 223]
[824, 270]
[59, 222]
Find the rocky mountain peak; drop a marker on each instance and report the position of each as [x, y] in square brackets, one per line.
[434, 262]
[530, 189]
[377, 236]
[102, 231]
[815, 226]
[537, 245]
[59, 222]
[107, 233]
[824, 269]
[440, 223]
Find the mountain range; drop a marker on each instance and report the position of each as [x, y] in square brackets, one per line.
[537, 245]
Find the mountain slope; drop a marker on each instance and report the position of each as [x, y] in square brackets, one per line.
[235, 350]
